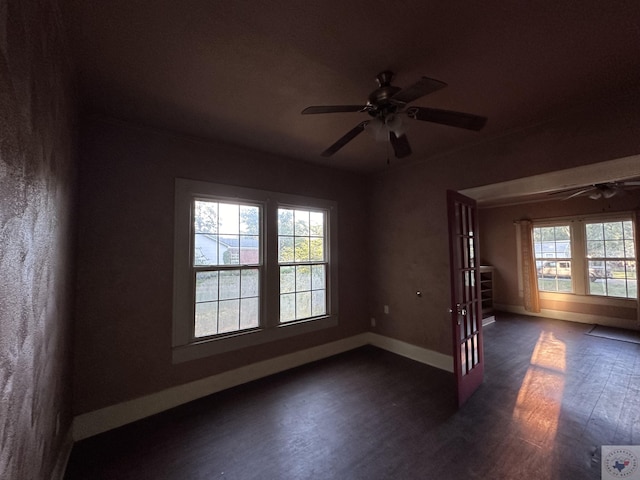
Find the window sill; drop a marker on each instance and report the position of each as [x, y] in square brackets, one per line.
[589, 299]
[214, 346]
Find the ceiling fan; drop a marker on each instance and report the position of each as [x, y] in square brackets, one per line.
[387, 105]
[598, 190]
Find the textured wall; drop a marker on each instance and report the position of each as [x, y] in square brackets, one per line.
[125, 255]
[36, 237]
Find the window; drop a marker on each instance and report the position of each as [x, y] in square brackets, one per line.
[611, 259]
[552, 247]
[250, 266]
[303, 264]
[587, 256]
[226, 267]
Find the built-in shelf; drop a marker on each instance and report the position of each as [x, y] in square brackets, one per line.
[486, 292]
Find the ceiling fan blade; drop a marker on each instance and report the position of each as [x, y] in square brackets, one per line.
[350, 135]
[333, 109]
[400, 145]
[629, 184]
[447, 117]
[419, 89]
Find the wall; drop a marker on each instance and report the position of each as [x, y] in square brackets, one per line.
[498, 239]
[36, 242]
[408, 207]
[125, 262]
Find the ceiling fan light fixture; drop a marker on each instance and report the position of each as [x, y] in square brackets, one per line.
[596, 195]
[608, 192]
[377, 129]
[394, 124]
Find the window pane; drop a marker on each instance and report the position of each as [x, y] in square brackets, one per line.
[612, 230]
[318, 303]
[629, 249]
[594, 231]
[287, 307]
[250, 283]
[614, 249]
[285, 221]
[302, 249]
[287, 279]
[318, 277]
[205, 251]
[301, 222]
[249, 220]
[303, 305]
[249, 249]
[228, 316]
[595, 248]
[205, 219]
[229, 219]
[285, 249]
[249, 313]
[206, 286]
[230, 249]
[303, 277]
[316, 224]
[316, 249]
[206, 321]
[229, 284]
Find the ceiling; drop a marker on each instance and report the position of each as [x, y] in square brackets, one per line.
[242, 71]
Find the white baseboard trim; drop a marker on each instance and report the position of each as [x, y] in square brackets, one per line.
[114, 416]
[419, 354]
[571, 316]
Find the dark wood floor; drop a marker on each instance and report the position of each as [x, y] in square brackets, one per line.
[551, 397]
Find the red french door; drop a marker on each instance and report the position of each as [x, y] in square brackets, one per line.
[466, 311]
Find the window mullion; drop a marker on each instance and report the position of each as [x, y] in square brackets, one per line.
[271, 286]
[578, 258]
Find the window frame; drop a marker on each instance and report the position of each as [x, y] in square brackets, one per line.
[605, 259]
[580, 261]
[184, 346]
[305, 263]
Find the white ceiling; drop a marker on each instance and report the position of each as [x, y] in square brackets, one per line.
[241, 71]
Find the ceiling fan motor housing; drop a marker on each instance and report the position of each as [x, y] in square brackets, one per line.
[380, 99]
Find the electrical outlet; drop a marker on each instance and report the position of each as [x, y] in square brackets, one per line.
[386, 309]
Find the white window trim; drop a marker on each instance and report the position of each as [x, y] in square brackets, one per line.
[578, 258]
[184, 348]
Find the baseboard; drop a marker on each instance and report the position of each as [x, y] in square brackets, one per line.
[571, 316]
[419, 354]
[114, 416]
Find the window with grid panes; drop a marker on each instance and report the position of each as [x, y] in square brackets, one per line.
[302, 259]
[250, 266]
[611, 258]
